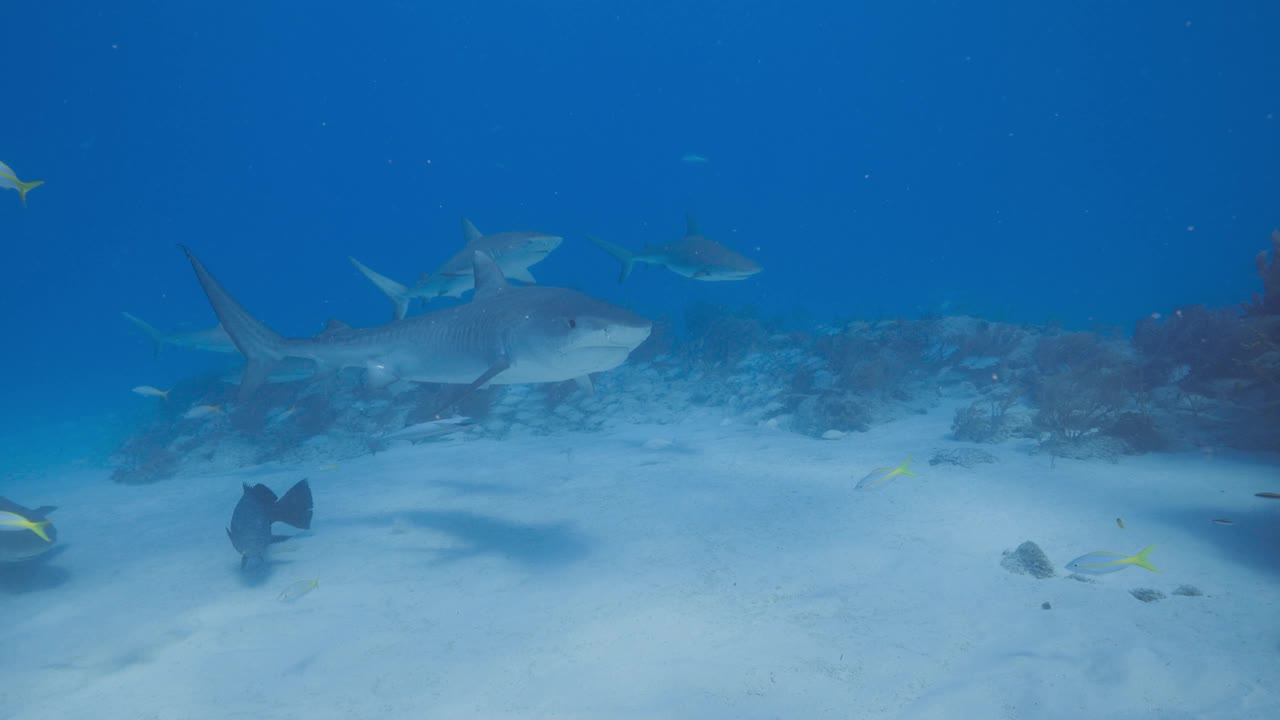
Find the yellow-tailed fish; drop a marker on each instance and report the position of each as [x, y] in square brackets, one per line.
[330, 466]
[297, 589]
[152, 392]
[1101, 562]
[201, 411]
[9, 181]
[879, 475]
[14, 522]
[1120, 523]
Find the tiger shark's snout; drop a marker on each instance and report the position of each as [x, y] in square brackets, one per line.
[620, 329]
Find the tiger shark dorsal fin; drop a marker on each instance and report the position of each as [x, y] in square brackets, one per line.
[469, 231]
[334, 326]
[691, 225]
[490, 282]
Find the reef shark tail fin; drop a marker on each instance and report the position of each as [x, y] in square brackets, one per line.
[157, 337]
[619, 253]
[397, 293]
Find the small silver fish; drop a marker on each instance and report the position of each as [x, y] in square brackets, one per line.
[428, 430]
[203, 411]
[149, 391]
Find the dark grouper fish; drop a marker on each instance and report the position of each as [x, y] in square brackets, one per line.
[250, 529]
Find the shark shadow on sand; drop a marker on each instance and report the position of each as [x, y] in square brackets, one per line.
[1250, 540]
[537, 546]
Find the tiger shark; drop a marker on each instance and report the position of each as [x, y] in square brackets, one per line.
[505, 335]
[693, 256]
[514, 252]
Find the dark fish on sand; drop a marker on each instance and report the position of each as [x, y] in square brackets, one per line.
[250, 529]
[25, 533]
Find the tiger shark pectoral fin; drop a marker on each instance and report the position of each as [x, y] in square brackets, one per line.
[454, 397]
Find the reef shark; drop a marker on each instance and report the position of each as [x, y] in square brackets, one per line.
[693, 256]
[505, 335]
[213, 339]
[514, 252]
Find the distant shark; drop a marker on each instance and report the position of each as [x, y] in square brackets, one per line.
[514, 252]
[693, 256]
[213, 339]
[505, 335]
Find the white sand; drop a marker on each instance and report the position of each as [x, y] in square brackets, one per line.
[732, 574]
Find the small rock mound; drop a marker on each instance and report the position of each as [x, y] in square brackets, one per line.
[1028, 559]
[964, 457]
[1147, 594]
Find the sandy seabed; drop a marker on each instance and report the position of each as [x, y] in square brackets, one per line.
[709, 568]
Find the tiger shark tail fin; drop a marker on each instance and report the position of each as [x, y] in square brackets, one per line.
[261, 346]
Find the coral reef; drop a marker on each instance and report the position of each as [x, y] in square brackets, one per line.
[1195, 377]
[1268, 303]
[963, 457]
[1080, 386]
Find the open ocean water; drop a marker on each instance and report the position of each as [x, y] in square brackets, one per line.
[762, 359]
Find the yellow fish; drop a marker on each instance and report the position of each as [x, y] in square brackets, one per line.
[9, 181]
[15, 520]
[297, 589]
[1101, 562]
[879, 475]
[152, 392]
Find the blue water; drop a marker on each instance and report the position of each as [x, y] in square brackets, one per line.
[1078, 163]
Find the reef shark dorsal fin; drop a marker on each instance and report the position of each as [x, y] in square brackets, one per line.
[469, 231]
[490, 282]
[691, 225]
